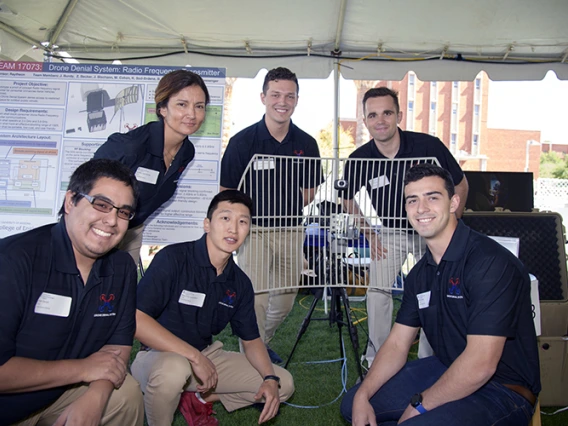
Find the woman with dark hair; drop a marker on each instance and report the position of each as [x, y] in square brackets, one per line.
[159, 151]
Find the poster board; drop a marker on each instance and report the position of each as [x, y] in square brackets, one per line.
[54, 116]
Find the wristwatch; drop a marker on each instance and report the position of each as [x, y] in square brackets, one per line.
[273, 377]
[416, 402]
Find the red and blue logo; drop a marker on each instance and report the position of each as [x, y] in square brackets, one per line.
[106, 306]
[454, 290]
[229, 297]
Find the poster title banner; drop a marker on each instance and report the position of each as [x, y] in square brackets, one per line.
[57, 67]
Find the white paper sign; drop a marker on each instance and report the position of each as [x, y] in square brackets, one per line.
[191, 298]
[147, 175]
[53, 304]
[264, 164]
[535, 301]
[379, 182]
[423, 299]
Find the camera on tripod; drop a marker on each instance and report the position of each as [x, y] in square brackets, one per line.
[340, 184]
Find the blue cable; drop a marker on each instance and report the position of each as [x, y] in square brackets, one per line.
[343, 380]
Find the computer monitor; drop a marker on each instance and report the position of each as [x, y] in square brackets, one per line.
[489, 191]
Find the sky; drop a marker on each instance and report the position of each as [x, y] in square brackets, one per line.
[522, 105]
[530, 105]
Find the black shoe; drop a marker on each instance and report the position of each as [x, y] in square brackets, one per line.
[274, 357]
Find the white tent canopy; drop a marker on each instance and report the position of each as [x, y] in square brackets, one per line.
[438, 39]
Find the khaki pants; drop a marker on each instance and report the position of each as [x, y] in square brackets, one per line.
[124, 408]
[132, 242]
[163, 376]
[273, 260]
[383, 275]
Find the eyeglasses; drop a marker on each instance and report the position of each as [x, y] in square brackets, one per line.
[105, 206]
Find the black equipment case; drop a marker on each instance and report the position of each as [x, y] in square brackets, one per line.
[543, 251]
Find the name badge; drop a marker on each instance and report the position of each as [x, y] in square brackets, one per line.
[423, 299]
[53, 304]
[147, 175]
[379, 182]
[265, 164]
[191, 298]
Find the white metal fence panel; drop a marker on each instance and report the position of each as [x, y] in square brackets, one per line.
[325, 221]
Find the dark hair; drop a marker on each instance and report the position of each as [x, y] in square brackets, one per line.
[172, 83]
[87, 174]
[379, 92]
[423, 170]
[233, 196]
[280, 73]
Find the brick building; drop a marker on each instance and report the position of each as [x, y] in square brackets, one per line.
[456, 112]
[560, 148]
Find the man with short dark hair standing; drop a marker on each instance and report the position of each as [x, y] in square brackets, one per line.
[280, 188]
[68, 309]
[390, 247]
[472, 298]
[190, 293]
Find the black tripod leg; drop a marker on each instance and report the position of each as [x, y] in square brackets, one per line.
[336, 316]
[352, 330]
[305, 323]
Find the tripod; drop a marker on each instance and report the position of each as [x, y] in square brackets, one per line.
[339, 299]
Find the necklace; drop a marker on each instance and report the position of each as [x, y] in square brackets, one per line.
[172, 155]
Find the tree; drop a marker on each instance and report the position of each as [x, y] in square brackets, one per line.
[325, 143]
[552, 165]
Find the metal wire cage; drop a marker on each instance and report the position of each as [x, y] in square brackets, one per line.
[327, 221]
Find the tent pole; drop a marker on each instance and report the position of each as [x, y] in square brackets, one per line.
[335, 142]
[336, 114]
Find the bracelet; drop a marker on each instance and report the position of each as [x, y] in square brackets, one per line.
[272, 377]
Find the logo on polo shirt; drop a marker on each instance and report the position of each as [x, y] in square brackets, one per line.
[106, 309]
[229, 299]
[298, 152]
[454, 290]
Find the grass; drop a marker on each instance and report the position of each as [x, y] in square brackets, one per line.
[316, 384]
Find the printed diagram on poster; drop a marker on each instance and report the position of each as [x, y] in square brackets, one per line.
[98, 110]
[28, 174]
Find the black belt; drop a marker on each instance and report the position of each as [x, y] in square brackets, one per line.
[524, 392]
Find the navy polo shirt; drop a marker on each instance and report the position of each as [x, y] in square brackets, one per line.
[176, 277]
[144, 147]
[102, 312]
[384, 181]
[275, 185]
[478, 288]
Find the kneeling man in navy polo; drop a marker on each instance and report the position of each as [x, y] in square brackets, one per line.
[68, 309]
[472, 298]
[190, 293]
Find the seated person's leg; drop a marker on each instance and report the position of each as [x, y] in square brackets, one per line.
[238, 380]
[124, 407]
[492, 404]
[162, 377]
[392, 399]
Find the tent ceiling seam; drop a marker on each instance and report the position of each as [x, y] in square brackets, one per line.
[19, 35]
[340, 25]
[62, 21]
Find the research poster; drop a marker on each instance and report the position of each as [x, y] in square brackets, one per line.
[54, 116]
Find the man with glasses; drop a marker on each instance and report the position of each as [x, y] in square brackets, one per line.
[68, 309]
